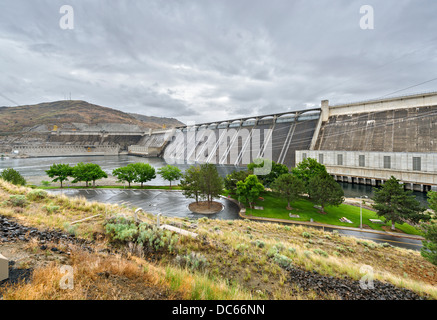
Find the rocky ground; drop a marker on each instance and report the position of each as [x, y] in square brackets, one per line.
[15, 236]
[348, 289]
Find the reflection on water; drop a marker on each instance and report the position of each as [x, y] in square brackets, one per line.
[357, 190]
[35, 167]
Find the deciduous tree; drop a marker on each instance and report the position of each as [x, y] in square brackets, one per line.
[170, 173]
[60, 172]
[249, 189]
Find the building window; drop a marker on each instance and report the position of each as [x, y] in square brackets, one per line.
[304, 156]
[362, 160]
[417, 164]
[321, 158]
[339, 159]
[387, 162]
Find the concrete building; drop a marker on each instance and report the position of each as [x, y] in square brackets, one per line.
[367, 142]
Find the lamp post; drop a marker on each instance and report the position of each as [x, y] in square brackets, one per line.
[361, 210]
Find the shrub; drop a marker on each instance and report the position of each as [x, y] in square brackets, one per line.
[36, 194]
[307, 253]
[272, 251]
[156, 239]
[147, 236]
[306, 234]
[193, 261]
[13, 176]
[282, 261]
[241, 247]
[320, 252]
[51, 208]
[18, 200]
[45, 183]
[121, 229]
[260, 244]
[292, 250]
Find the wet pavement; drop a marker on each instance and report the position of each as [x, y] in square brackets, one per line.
[175, 204]
[169, 203]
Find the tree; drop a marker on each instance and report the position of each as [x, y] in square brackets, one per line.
[429, 248]
[60, 172]
[271, 174]
[211, 184]
[190, 183]
[288, 187]
[13, 176]
[307, 169]
[144, 172]
[170, 173]
[88, 172]
[230, 182]
[202, 182]
[249, 189]
[396, 204]
[324, 190]
[127, 173]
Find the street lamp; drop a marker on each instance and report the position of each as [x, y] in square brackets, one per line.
[361, 211]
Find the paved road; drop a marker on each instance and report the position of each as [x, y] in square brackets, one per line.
[169, 203]
[173, 203]
[402, 242]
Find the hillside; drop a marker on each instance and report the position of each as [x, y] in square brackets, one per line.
[115, 258]
[66, 114]
[168, 122]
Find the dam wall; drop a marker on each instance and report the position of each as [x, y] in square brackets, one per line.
[65, 150]
[239, 142]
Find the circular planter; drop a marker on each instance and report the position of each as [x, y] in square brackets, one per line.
[202, 207]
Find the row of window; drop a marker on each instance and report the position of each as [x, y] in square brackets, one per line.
[417, 161]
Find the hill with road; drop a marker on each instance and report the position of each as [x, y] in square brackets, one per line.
[74, 115]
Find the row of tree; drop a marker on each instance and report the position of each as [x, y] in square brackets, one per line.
[135, 172]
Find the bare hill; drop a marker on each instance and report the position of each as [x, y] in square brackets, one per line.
[71, 114]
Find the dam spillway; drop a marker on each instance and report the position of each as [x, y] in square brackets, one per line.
[240, 141]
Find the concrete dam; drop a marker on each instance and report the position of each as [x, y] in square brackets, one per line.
[240, 141]
[362, 142]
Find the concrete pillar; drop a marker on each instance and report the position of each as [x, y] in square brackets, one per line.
[350, 180]
[373, 182]
[4, 268]
[434, 188]
[325, 110]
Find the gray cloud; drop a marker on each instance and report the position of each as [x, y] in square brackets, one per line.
[209, 60]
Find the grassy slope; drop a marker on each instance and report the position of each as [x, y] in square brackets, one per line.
[237, 269]
[275, 207]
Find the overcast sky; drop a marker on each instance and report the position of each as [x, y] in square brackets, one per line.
[207, 60]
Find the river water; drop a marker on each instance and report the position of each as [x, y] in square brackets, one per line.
[33, 169]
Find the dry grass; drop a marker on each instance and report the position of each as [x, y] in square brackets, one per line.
[238, 268]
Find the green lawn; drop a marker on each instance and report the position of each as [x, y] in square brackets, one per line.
[275, 207]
